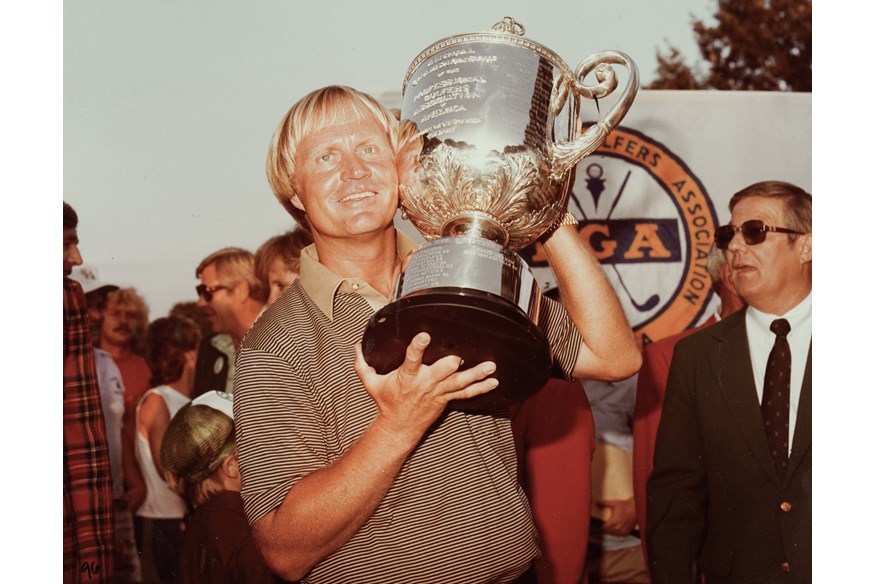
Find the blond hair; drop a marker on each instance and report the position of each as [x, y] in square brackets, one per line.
[311, 113]
[196, 494]
[128, 298]
[234, 265]
[286, 247]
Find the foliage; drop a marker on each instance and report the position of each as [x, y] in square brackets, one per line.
[761, 45]
[673, 73]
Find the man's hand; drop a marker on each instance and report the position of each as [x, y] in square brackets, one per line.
[327, 507]
[622, 518]
[413, 396]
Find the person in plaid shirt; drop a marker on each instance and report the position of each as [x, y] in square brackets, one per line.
[88, 511]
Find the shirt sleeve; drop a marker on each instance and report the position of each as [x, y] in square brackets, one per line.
[277, 426]
[87, 487]
[563, 337]
[677, 488]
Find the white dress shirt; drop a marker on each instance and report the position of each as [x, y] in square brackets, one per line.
[760, 343]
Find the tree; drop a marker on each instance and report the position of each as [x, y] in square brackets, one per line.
[761, 45]
[673, 73]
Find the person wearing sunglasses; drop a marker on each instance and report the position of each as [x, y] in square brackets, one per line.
[730, 495]
[232, 297]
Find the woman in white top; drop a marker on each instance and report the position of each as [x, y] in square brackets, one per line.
[171, 351]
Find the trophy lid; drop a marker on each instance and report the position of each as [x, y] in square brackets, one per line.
[507, 31]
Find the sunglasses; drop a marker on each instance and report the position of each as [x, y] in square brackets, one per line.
[207, 291]
[753, 232]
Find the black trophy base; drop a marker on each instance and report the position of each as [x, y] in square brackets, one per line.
[474, 325]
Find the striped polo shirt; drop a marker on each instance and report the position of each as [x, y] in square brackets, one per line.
[455, 513]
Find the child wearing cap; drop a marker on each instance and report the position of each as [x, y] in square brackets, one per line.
[199, 455]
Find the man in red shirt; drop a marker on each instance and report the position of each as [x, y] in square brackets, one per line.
[122, 323]
[554, 437]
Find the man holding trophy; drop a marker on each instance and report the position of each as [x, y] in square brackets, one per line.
[355, 475]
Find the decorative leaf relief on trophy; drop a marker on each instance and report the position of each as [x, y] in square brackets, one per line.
[429, 206]
[513, 188]
[528, 203]
[512, 185]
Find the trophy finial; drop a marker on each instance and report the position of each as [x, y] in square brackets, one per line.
[511, 26]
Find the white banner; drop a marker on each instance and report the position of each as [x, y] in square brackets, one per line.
[651, 197]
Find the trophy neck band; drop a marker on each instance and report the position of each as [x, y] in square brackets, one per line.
[472, 264]
[476, 224]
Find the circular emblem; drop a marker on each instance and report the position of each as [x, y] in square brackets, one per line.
[650, 222]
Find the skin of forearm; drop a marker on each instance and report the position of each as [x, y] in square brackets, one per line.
[156, 433]
[135, 486]
[327, 508]
[609, 350]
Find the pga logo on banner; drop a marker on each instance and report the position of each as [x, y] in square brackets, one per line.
[650, 222]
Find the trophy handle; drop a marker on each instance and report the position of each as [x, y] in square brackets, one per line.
[567, 154]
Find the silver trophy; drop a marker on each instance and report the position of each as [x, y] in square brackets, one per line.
[490, 121]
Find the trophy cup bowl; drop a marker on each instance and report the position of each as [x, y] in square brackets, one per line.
[488, 148]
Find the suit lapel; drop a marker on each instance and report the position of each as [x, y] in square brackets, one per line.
[803, 429]
[736, 384]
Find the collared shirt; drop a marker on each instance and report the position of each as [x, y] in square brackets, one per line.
[112, 399]
[322, 284]
[612, 404]
[299, 406]
[88, 500]
[136, 377]
[224, 343]
[760, 343]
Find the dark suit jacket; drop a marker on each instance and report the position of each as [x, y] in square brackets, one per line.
[211, 369]
[715, 500]
[650, 389]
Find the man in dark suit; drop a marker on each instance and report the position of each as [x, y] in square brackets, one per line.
[654, 374]
[730, 495]
[231, 297]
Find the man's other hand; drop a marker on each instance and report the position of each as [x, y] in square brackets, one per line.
[413, 396]
[622, 519]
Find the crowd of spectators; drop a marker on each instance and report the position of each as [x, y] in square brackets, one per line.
[148, 371]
